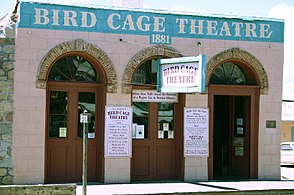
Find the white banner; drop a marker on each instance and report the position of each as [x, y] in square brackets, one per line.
[196, 140]
[118, 131]
[153, 96]
[182, 75]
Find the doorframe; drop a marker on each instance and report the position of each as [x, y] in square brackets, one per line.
[100, 106]
[179, 137]
[236, 90]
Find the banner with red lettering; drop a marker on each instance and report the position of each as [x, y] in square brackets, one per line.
[182, 75]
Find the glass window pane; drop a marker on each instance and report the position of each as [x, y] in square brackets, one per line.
[58, 114]
[230, 74]
[73, 68]
[146, 73]
[166, 120]
[286, 147]
[87, 101]
[140, 120]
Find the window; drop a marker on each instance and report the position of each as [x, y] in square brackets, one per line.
[140, 119]
[165, 120]
[58, 114]
[146, 73]
[229, 73]
[73, 68]
[286, 147]
[87, 101]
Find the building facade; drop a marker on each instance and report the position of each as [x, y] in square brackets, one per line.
[105, 60]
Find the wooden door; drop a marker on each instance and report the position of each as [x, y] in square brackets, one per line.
[231, 137]
[64, 133]
[239, 146]
[233, 132]
[156, 153]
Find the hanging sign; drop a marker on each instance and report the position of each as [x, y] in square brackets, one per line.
[196, 132]
[118, 132]
[182, 75]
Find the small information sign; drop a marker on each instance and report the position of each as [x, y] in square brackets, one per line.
[153, 96]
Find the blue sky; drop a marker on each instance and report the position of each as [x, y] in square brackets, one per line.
[264, 8]
[245, 7]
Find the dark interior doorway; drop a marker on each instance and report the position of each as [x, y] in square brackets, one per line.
[231, 142]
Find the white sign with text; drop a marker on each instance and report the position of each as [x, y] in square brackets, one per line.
[118, 131]
[153, 96]
[182, 75]
[196, 140]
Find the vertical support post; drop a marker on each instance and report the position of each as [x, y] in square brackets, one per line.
[85, 157]
[85, 119]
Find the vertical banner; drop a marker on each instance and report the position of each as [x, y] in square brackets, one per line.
[196, 132]
[118, 131]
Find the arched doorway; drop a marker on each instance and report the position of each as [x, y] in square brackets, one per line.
[234, 106]
[75, 82]
[157, 154]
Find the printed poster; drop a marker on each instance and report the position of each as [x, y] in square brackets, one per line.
[118, 131]
[196, 140]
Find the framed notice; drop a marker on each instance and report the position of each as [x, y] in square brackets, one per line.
[62, 131]
[196, 132]
[239, 151]
[118, 131]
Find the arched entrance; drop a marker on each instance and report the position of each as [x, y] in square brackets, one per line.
[75, 84]
[233, 91]
[157, 154]
[157, 149]
[76, 76]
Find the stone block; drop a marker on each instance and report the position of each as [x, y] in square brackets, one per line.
[3, 172]
[7, 41]
[2, 73]
[6, 128]
[6, 162]
[3, 96]
[7, 180]
[69, 189]
[8, 65]
[9, 48]
[11, 57]
[9, 117]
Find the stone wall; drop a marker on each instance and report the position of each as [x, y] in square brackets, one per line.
[56, 189]
[7, 51]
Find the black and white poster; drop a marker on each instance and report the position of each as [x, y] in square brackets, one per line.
[118, 131]
[196, 132]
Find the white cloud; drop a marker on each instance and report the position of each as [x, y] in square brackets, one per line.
[287, 13]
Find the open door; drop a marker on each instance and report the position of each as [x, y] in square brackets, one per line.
[231, 137]
[233, 132]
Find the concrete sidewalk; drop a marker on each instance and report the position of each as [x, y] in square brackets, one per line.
[211, 187]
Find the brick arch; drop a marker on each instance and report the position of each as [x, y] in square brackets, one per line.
[244, 56]
[140, 57]
[77, 46]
